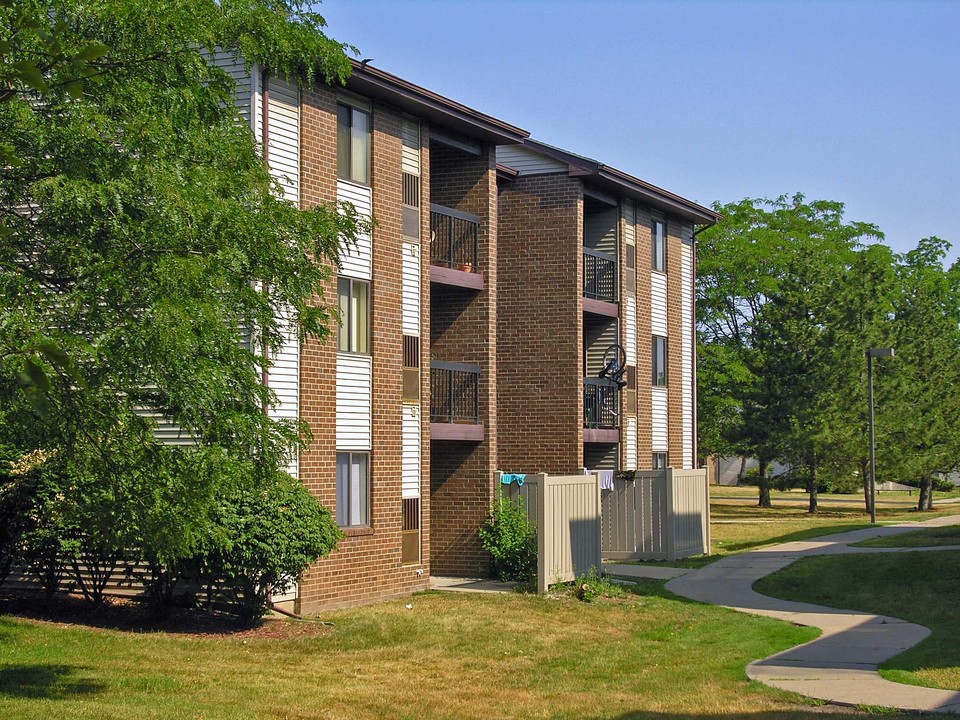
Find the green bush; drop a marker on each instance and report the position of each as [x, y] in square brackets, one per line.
[511, 540]
[266, 537]
[593, 585]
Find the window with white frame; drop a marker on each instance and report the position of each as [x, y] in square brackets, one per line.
[353, 489]
[353, 301]
[353, 144]
[659, 360]
[658, 236]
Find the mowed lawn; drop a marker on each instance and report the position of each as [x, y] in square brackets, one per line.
[449, 656]
[737, 525]
[651, 655]
[922, 587]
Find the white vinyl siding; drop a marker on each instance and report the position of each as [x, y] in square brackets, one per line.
[410, 294]
[410, 460]
[528, 162]
[245, 98]
[410, 150]
[630, 330]
[600, 231]
[687, 351]
[167, 431]
[658, 412]
[658, 304]
[629, 222]
[354, 384]
[356, 260]
[630, 451]
[284, 379]
[283, 136]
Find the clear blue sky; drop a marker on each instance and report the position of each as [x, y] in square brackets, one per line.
[851, 101]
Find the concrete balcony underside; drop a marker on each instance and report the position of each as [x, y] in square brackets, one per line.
[601, 435]
[456, 278]
[462, 432]
[601, 307]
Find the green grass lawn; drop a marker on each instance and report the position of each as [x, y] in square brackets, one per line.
[450, 656]
[922, 587]
[929, 537]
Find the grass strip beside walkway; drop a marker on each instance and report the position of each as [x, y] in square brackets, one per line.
[920, 587]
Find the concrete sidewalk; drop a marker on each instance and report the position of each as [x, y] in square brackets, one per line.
[840, 665]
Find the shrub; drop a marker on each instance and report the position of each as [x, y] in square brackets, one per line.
[593, 585]
[265, 538]
[511, 540]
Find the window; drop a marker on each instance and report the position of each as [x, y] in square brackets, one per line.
[354, 303]
[659, 461]
[659, 360]
[353, 144]
[353, 489]
[658, 233]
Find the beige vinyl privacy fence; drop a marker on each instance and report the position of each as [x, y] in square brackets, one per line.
[566, 510]
[659, 515]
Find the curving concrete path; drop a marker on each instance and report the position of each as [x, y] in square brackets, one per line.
[840, 665]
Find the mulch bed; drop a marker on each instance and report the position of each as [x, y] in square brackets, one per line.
[131, 616]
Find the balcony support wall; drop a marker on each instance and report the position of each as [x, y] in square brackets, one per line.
[463, 330]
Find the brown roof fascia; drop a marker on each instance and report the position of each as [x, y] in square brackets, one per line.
[505, 172]
[376, 83]
[607, 176]
[657, 195]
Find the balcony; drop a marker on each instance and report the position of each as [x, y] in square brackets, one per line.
[599, 283]
[454, 249]
[601, 412]
[455, 402]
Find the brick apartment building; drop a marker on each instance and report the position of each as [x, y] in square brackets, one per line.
[472, 318]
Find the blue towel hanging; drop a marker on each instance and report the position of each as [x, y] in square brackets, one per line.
[509, 478]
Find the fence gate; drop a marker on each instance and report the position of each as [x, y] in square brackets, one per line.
[566, 509]
[659, 515]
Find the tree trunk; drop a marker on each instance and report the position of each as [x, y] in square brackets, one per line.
[926, 493]
[764, 501]
[812, 487]
[865, 476]
[743, 469]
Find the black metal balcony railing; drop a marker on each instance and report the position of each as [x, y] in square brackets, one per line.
[599, 276]
[599, 403]
[453, 238]
[454, 393]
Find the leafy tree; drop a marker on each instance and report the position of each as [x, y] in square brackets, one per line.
[919, 390]
[767, 272]
[140, 237]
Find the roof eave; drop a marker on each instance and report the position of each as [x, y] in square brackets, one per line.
[380, 85]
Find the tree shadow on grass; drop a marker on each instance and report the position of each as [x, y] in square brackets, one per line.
[50, 682]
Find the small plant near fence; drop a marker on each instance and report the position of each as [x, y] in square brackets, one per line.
[593, 585]
[511, 540]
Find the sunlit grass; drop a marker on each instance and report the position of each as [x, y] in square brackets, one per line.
[450, 656]
[921, 587]
[928, 537]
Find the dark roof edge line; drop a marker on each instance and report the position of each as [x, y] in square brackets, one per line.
[690, 206]
[593, 167]
[405, 87]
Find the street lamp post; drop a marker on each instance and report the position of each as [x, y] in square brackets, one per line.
[871, 354]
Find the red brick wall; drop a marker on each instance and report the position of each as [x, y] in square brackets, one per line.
[366, 566]
[463, 329]
[540, 325]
